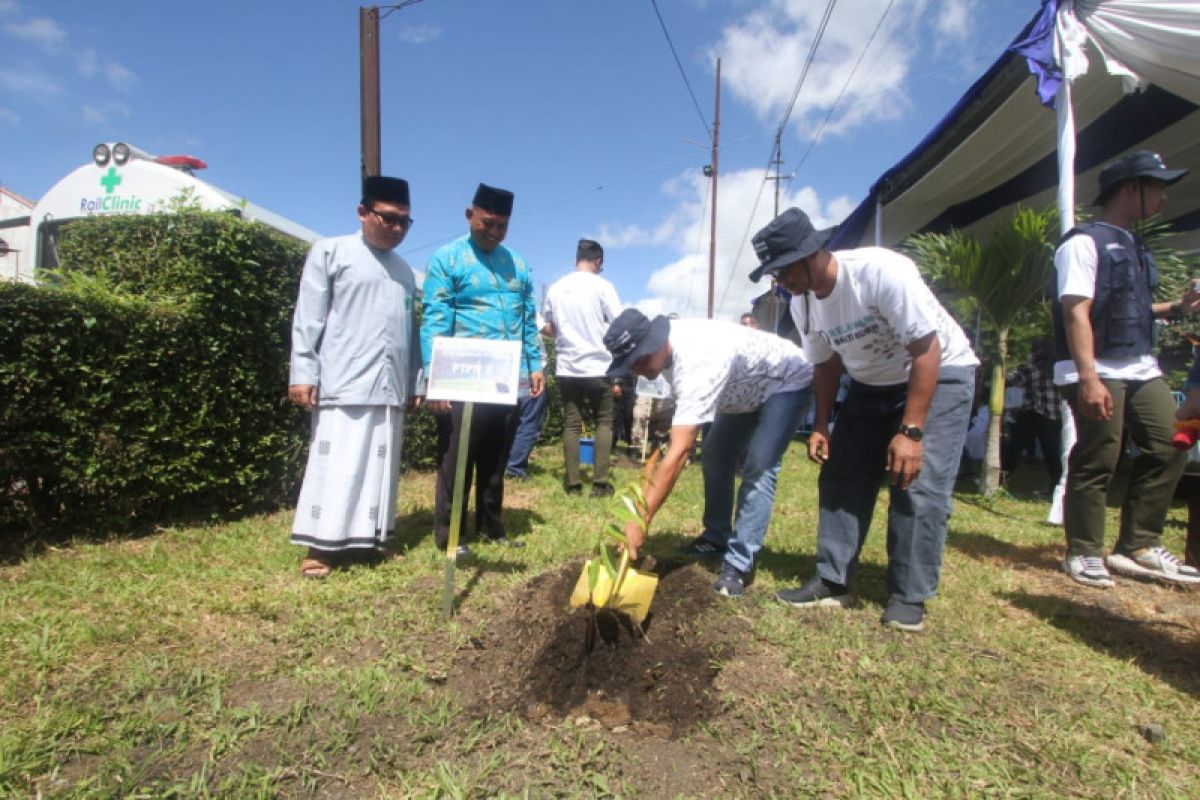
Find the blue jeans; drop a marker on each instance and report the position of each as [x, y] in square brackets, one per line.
[532, 413]
[763, 437]
[851, 478]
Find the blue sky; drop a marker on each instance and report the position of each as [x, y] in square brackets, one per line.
[578, 107]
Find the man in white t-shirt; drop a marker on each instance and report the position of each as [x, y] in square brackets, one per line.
[1104, 338]
[578, 310]
[867, 312]
[754, 387]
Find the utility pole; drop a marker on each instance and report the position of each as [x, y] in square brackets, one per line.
[368, 82]
[778, 162]
[368, 53]
[712, 241]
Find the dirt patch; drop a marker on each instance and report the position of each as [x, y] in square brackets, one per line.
[548, 662]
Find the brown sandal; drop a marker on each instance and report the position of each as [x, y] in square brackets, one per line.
[315, 568]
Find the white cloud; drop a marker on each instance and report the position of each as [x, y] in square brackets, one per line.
[681, 286]
[102, 115]
[42, 31]
[8, 6]
[420, 34]
[88, 62]
[119, 77]
[30, 82]
[9, 116]
[764, 53]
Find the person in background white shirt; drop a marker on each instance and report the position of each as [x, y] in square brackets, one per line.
[578, 310]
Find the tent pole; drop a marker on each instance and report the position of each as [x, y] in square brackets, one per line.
[879, 223]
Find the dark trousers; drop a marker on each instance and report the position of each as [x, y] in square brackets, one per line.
[1145, 410]
[491, 436]
[578, 394]
[1028, 427]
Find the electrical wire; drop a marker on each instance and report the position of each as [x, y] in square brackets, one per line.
[679, 64]
[817, 135]
[812, 53]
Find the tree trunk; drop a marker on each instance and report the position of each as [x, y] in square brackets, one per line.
[989, 479]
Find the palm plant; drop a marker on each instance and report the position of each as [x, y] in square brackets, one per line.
[1003, 275]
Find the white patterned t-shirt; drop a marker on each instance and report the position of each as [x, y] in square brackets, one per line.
[879, 305]
[728, 368]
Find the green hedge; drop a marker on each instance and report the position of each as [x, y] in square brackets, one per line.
[146, 381]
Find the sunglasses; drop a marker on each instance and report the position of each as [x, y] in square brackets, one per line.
[394, 220]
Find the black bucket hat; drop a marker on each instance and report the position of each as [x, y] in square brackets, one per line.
[785, 240]
[1138, 164]
[631, 336]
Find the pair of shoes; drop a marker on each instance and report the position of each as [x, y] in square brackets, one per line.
[503, 539]
[1088, 570]
[575, 489]
[904, 616]
[817, 593]
[731, 582]
[702, 548]
[1153, 562]
[602, 489]
[317, 568]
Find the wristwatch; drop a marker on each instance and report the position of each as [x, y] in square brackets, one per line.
[913, 432]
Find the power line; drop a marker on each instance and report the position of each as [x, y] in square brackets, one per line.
[812, 142]
[679, 64]
[812, 52]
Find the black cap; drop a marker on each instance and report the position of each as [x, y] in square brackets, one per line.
[785, 240]
[385, 190]
[1138, 164]
[631, 336]
[497, 201]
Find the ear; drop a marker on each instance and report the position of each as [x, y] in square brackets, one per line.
[468, 213]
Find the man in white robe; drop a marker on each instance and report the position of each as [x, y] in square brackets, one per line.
[355, 357]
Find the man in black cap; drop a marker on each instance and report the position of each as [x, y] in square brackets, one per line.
[355, 358]
[754, 388]
[867, 312]
[477, 288]
[1104, 341]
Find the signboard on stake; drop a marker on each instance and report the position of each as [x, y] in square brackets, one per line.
[471, 371]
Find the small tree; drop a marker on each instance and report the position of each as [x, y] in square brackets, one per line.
[1003, 275]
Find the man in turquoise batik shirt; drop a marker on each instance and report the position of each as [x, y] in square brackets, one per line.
[477, 288]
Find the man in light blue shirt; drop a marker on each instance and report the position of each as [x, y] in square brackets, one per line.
[355, 358]
[477, 288]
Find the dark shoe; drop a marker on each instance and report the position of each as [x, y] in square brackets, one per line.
[702, 548]
[817, 593]
[576, 489]
[731, 582]
[462, 553]
[602, 490]
[514, 475]
[503, 539]
[904, 616]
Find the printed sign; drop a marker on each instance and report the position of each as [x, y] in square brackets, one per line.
[657, 389]
[474, 370]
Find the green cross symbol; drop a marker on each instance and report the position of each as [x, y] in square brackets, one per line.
[111, 180]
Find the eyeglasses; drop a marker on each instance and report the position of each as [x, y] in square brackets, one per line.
[394, 220]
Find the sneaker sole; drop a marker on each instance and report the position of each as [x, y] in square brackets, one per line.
[1096, 583]
[841, 601]
[896, 624]
[726, 593]
[1130, 568]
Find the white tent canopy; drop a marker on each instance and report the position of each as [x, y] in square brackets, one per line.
[999, 146]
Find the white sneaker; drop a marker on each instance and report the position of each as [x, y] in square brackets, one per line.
[1153, 562]
[1088, 570]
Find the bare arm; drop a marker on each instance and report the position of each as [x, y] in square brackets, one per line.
[662, 482]
[825, 385]
[906, 455]
[1094, 400]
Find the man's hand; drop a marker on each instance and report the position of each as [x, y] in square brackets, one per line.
[818, 447]
[537, 383]
[1094, 400]
[904, 460]
[303, 395]
[635, 537]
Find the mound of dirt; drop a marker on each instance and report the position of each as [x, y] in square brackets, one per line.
[549, 662]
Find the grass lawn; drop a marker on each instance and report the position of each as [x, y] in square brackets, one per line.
[196, 662]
